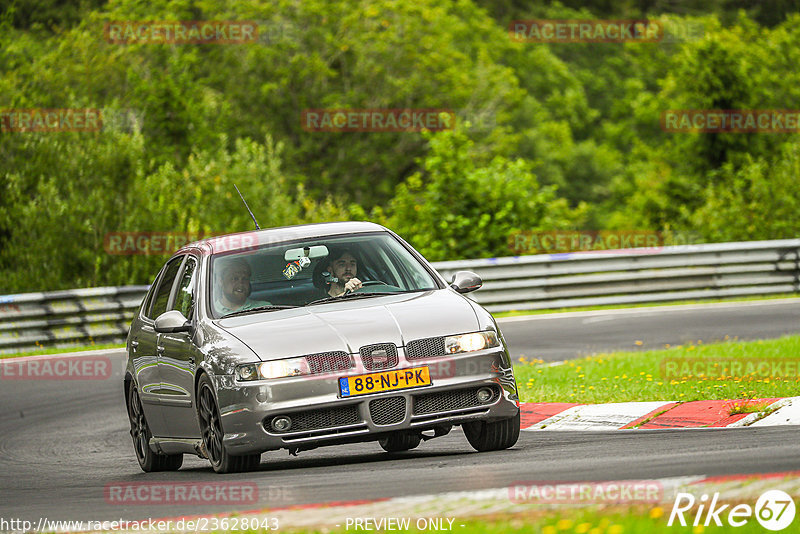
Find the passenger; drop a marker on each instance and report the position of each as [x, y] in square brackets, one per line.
[233, 287]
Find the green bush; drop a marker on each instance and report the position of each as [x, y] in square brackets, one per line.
[458, 209]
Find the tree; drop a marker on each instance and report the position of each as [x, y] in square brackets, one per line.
[456, 209]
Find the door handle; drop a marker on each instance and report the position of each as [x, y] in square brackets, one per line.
[160, 350]
[134, 345]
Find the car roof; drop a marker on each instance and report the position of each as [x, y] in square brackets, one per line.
[254, 238]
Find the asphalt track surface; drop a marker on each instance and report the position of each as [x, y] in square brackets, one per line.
[570, 335]
[63, 442]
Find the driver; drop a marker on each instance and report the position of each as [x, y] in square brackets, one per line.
[233, 288]
[343, 266]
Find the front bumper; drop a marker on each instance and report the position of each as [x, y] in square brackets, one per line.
[320, 416]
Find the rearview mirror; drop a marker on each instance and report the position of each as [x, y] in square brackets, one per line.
[317, 251]
[172, 322]
[466, 281]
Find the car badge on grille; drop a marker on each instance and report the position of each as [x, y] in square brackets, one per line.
[379, 357]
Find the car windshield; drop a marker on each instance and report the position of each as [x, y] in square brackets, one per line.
[313, 271]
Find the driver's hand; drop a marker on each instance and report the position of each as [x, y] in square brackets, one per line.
[353, 284]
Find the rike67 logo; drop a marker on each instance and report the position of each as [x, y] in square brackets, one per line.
[774, 510]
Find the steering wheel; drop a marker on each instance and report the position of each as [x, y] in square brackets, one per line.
[367, 283]
[373, 282]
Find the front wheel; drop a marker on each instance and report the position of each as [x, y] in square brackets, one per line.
[211, 426]
[149, 461]
[494, 436]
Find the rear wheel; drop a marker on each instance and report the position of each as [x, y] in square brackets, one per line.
[400, 442]
[149, 461]
[211, 426]
[494, 436]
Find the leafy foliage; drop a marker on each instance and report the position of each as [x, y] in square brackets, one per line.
[549, 136]
[473, 210]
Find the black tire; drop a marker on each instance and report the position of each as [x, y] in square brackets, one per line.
[494, 436]
[149, 461]
[400, 442]
[211, 427]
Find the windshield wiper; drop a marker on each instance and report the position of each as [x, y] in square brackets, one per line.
[350, 296]
[269, 307]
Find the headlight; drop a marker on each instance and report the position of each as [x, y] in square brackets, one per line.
[471, 342]
[282, 368]
[273, 369]
[247, 371]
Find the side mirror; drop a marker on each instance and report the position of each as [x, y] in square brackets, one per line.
[172, 322]
[466, 281]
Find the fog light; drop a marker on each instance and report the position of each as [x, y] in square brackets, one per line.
[485, 395]
[281, 424]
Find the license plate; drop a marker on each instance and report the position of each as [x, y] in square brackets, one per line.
[351, 386]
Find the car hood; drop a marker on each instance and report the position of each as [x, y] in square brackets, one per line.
[350, 324]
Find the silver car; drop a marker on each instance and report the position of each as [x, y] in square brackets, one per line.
[304, 336]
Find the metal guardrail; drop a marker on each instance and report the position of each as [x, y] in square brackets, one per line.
[696, 272]
[634, 276]
[76, 317]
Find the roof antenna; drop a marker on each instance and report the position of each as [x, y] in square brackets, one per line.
[248, 207]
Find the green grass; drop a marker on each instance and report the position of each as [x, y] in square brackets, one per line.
[749, 407]
[638, 376]
[516, 313]
[54, 350]
[592, 520]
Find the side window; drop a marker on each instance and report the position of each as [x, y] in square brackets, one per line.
[148, 298]
[184, 300]
[165, 287]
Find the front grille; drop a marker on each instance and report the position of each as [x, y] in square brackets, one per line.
[316, 419]
[387, 411]
[329, 362]
[380, 356]
[446, 401]
[425, 348]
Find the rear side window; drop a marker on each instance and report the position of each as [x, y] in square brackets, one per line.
[165, 287]
[184, 298]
